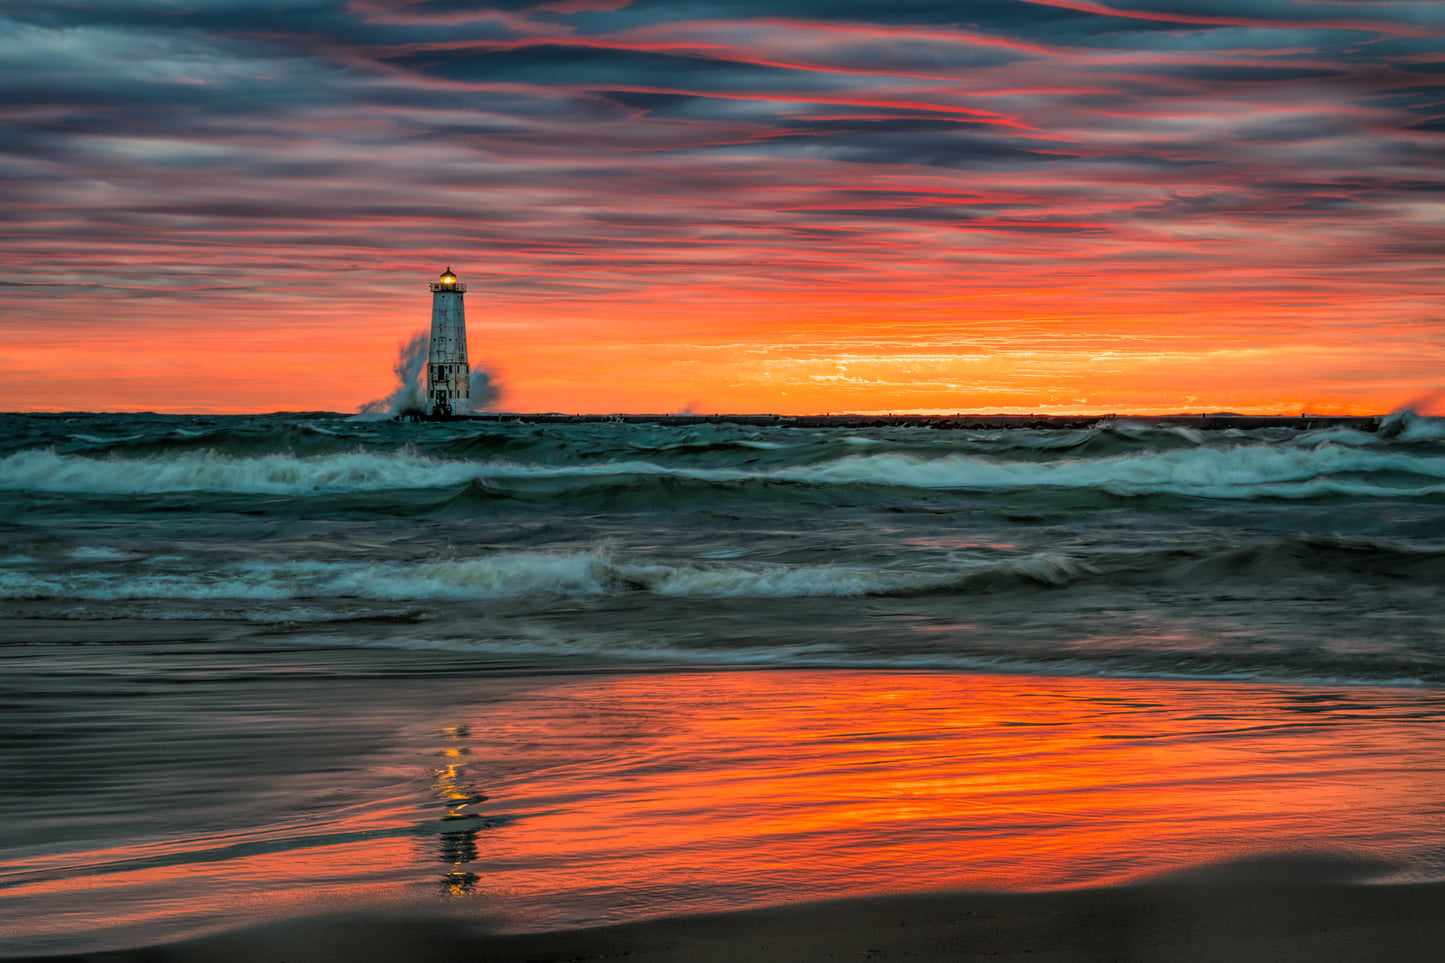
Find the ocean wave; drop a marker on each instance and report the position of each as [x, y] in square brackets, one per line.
[1236, 472]
[276, 474]
[1272, 560]
[1354, 556]
[1057, 652]
[1409, 426]
[502, 576]
[521, 574]
[692, 579]
[297, 438]
[609, 572]
[1240, 471]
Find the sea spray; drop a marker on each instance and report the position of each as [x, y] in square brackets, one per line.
[1407, 423]
[484, 388]
[408, 397]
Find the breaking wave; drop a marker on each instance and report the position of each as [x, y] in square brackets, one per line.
[277, 474]
[519, 574]
[604, 572]
[1269, 553]
[1242, 471]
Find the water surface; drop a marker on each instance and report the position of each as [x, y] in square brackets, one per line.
[565, 674]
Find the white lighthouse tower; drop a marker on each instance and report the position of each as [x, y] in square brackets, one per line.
[448, 376]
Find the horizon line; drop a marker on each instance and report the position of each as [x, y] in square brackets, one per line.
[932, 414]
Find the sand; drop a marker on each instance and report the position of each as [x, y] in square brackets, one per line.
[1236, 915]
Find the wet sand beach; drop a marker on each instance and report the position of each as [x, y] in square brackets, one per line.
[511, 813]
[1255, 914]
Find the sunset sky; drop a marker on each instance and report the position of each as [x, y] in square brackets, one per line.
[788, 206]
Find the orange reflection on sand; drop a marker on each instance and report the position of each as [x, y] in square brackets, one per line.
[718, 789]
[126, 904]
[606, 797]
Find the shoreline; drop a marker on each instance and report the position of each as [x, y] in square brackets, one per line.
[1286, 910]
[48, 630]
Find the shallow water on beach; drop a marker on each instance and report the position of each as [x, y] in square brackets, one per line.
[558, 675]
[539, 802]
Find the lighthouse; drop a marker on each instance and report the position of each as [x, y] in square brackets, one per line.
[448, 377]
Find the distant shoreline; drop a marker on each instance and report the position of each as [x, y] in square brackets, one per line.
[1208, 422]
[1211, 421]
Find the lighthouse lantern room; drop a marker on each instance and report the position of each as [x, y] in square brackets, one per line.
[448, 376]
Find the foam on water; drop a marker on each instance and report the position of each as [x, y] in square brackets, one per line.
[518, 574]
[501, 576]
[1236, 472]
[278, 474]
[1269, 553]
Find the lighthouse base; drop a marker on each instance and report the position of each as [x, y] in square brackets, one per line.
[417, 415]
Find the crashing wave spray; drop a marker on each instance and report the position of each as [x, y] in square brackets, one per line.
[485, 390]
[409, 368]
[408, 396]
[1413, 420]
